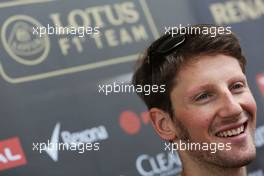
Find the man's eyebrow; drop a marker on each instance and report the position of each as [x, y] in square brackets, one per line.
[211, 86]
[238, 78]
[201, 87]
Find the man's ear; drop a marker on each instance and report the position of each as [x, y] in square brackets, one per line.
[163, 124]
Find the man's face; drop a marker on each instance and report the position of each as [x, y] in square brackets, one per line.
[212, 103]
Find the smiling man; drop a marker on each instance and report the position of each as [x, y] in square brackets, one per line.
[207, 100]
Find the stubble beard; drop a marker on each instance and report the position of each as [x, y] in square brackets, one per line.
[217, 159]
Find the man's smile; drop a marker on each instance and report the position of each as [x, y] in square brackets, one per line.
[232, 131]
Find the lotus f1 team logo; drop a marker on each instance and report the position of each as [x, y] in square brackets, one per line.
[20, 42]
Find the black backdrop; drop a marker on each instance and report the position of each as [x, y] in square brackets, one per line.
[49, 85]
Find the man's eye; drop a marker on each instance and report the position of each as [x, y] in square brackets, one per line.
[202, 97]
[237, 87]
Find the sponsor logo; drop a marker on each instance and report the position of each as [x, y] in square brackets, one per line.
[239, 11]
[21, 44]
[131, 123]
[11, 154]
[91, 135]
[161, 164]
[260, 82]
[124, 27]
[54, 139]
[259, 136]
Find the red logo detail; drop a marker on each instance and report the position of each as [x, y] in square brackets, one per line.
[130, 122]
[145, 117]
[260, 81]
[11, 154]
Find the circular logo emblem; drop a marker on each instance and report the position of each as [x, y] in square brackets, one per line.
[21, 43]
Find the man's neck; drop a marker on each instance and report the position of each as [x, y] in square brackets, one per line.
[192, 167]
[226, 172]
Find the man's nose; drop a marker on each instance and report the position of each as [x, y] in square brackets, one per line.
[229, 105]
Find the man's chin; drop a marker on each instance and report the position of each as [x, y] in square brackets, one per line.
[242, 152]
[235, 158]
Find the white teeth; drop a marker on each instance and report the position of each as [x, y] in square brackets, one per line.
[225, 134]
[232, 132]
